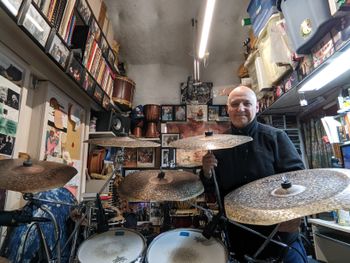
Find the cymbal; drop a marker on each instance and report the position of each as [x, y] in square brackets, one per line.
[266, 202]
[210, 142]
[4, 260]
[126, 142]
[148, 185]
[38, 177]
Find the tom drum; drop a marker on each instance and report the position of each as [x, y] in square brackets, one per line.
[118, 245]
[123, 92]
[186, 246]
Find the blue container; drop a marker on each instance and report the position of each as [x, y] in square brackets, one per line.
[260, 11]
[307, 22]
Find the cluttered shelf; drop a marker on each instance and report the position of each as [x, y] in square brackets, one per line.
[319, 87]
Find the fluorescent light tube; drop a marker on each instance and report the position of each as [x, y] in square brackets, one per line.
[332, 70]
[208, 16]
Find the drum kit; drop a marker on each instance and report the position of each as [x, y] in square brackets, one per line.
[268, 201]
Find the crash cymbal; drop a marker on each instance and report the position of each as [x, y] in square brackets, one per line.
[126, 142]
[39, 176]
[266, 202]
[210, 142]
[149, 185]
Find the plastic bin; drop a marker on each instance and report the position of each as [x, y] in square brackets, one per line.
[260, 11]
[307, 22]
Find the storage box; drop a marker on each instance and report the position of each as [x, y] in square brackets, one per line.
[322, 50]
[260, 11]
[307, 22]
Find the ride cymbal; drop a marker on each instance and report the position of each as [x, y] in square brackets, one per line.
[156, 185]
[210, 142]
[305, 192]
[20, 176]
[126, 142]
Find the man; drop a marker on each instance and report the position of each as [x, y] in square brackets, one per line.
[270, 152]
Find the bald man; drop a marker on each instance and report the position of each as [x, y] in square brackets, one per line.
[270, 152]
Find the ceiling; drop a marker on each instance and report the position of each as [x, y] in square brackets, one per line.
[160, 31]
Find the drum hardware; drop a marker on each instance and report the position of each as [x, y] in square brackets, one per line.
[16, 217]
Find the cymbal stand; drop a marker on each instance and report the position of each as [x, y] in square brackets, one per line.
[29, 197]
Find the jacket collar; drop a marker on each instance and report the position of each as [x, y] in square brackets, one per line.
[247, 130]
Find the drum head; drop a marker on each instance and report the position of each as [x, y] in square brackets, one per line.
[186, 246]
[119, 245]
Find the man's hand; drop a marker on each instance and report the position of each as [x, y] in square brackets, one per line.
[290, 226]
[208, 162]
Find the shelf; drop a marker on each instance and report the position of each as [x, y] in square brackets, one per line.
[289, 103]
[101, 134]
[330, 224]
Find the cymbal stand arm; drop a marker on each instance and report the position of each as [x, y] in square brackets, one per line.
[217, 190]
[43, 242]
[266, 242]
[57, 231]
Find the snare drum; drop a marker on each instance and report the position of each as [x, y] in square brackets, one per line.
[118, 245]
[186, 246]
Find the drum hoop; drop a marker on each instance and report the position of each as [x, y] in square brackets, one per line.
[179, 230]
[126, 79]
[119, 229]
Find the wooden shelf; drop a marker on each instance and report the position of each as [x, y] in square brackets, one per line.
[330, 224]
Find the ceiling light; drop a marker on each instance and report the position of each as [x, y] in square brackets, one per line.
[330, 71]
[209, 10]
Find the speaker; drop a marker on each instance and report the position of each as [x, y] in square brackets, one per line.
[112, 121]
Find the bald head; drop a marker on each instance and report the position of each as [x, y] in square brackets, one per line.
[242, 106]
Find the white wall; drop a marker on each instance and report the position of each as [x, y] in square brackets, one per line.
[160, 83]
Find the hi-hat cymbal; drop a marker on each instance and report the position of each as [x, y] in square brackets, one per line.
[40, 176]
[149, 185]
[266, 202]
[210, 142]
[126, 142]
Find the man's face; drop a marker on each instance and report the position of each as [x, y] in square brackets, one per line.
[242, 106]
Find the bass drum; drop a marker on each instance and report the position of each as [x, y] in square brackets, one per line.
[118, 245]
[123, 92]
[186, 246]
[17, 249]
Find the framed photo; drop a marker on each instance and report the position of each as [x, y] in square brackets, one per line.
[167, 112]
[130, 157]
[197, 112]
[196, 94]
[105, 102]
[75, 70]
[84, 11]
[111, 57]
[36, 25]
[98, 94]
[95, 30]
[189, 158]
[88, 84]
[12, 5]
[104, 47]
[145, 157]
[167, 138]
[168, 157]
[58, 51]
[223, 113]
[179, 112]
[11, 71]
[128, 171]
[213, 112]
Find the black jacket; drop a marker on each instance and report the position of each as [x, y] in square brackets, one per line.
[270, 152]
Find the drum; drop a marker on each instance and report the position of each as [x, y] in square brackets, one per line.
[118, 245]
[152, 112]
[16, 249]
[186, 246]
[123, 92]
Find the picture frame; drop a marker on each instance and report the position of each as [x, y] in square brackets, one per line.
[167, 138]
[168, 158]
[98, 94]
[197, 112]
[89, 83]
[167, 112]
[104, 47]
[95, 30]
[189, 158]
[145, 157]
[105, 102]
[196, 94]
[10, 70]
[180, 113]
[111, 57]
[126, 171]
[75, 70]
[84, 11]
[223, 113]
[213, 112]
[58, 51]
[12, 6]
[130, 157]
[39, 29]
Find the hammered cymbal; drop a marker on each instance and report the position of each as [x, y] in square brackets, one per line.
[210, 142]
[147, 186]
[38, 177]
[265, 202]
[126, 142]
